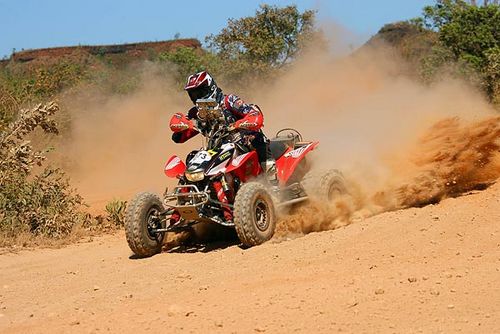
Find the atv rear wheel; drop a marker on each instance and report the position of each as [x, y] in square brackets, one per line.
[324, 185]
[142, 217]
[254, 215]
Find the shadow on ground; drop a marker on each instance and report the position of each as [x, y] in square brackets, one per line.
[203, 247]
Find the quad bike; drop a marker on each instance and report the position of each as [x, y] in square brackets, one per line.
[225, 164]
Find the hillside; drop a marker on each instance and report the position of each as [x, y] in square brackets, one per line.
[132, 51]
[409, 41]
[405, 36]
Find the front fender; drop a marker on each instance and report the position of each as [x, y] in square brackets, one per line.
[174, 167]
[245, 166]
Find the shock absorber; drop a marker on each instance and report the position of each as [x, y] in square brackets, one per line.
[227, 182]
[225, 186]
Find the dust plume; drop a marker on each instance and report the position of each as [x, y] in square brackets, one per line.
[451, 159]
[399, 143]
[118, 144]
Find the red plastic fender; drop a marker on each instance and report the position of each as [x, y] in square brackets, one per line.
[174, 167]
[287, 163]
[245, 166]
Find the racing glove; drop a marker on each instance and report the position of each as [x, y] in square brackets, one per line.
[179, 122]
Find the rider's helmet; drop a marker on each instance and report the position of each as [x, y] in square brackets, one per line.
[201, 85]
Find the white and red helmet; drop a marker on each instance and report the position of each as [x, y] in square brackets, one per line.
[201, 85]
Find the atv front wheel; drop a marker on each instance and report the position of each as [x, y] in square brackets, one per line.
[324, 185]
[254, 216]
[142, 217]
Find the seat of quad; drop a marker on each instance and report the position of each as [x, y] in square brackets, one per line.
[279, 145]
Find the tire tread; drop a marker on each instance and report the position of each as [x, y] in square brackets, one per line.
[136, 239]
[244, 223]
[317, 183]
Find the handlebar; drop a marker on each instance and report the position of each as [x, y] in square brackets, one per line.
[216, 137]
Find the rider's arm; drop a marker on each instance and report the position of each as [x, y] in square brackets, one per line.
[249, 116]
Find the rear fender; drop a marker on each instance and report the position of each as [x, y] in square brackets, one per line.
[175, 167]
[287, 163]
[245, 166]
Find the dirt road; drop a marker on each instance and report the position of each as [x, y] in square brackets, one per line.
[434, 269]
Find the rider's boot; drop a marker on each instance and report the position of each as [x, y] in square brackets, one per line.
[269, 167]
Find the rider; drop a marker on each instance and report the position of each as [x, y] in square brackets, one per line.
[245, 117]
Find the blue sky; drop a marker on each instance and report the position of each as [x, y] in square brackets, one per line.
[28, 24]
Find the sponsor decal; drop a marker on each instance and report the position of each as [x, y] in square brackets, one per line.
[224, 155]
[247, 124]
[297, 152]
[180, 125]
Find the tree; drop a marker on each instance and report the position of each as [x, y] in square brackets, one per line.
[464, 28]
[264, 42]
[485, 2]
[469, 35]
[444, 11]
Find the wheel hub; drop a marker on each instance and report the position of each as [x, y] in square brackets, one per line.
[261, 215]
[153, 223]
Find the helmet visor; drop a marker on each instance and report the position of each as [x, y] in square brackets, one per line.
[201, 92]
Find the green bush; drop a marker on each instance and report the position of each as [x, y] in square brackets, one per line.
[469, 40]
[115, 211]
[34, 198]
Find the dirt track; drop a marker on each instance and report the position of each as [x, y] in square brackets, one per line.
[435, 269]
